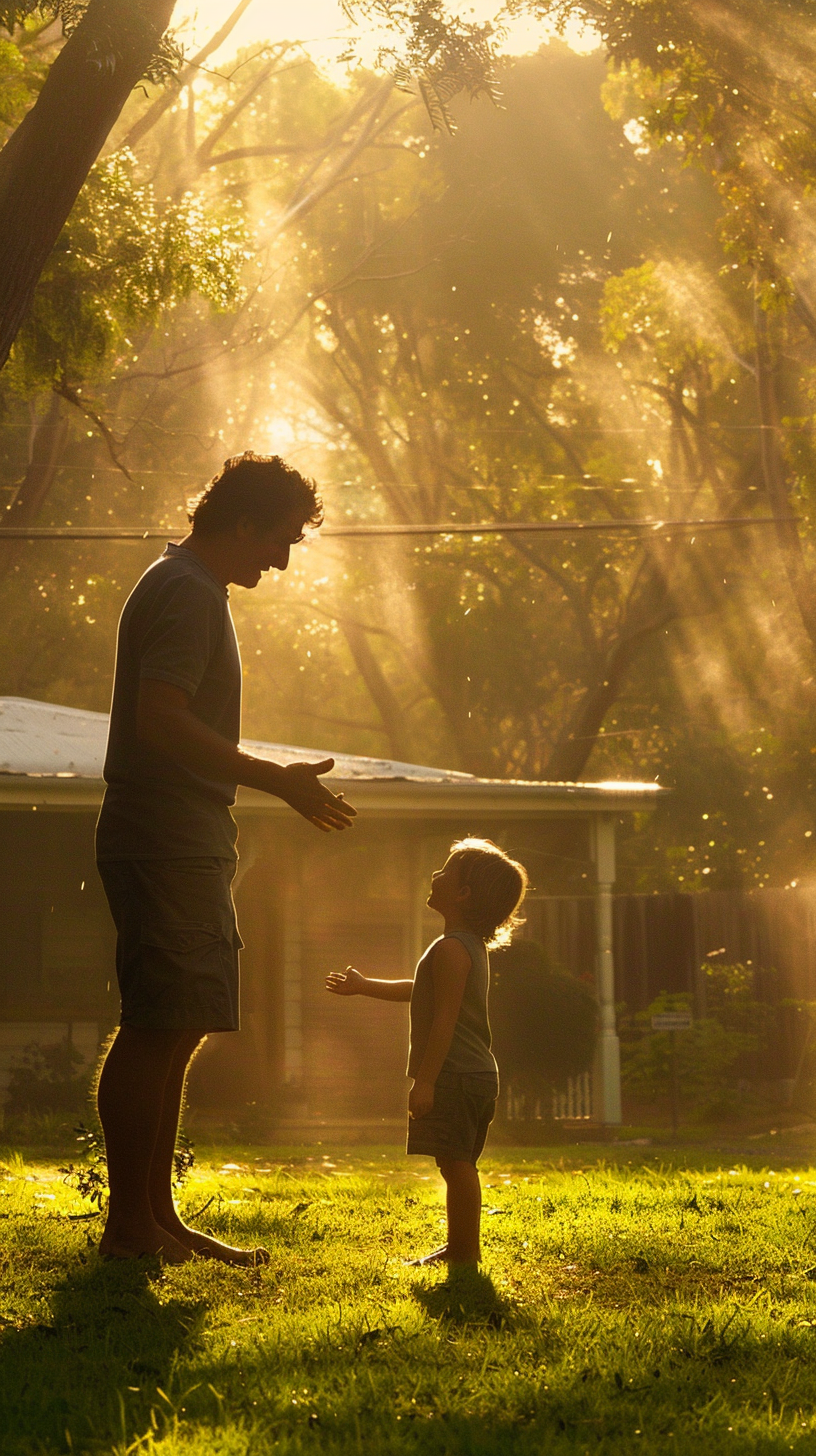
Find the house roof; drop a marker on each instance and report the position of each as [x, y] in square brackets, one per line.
[53, 755]
[48, 740]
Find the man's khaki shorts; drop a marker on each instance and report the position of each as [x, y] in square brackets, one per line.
[177, 942]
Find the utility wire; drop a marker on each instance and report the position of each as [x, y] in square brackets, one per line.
[451, 528]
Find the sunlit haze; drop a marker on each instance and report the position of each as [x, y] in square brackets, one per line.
[326, 32]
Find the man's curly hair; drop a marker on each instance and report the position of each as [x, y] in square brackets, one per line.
[259, 488]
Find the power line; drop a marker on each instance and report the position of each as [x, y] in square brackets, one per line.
[455, 528]
[561, 528]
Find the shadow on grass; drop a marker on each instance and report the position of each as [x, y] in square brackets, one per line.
[69, 1380]
[466, 1297]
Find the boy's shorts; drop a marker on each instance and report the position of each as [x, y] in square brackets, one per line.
[456, 1127]
[177, 942]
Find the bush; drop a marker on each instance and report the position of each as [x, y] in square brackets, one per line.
[48, 1079]
[709, 1060]
[544, 1021]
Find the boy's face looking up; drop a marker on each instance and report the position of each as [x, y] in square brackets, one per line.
[448, 895]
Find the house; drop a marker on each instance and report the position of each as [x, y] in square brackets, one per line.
[307, 903]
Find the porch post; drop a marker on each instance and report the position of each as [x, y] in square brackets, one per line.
[606, 1078]
[293, 973]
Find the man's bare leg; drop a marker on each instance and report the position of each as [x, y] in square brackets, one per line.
[161, 1168]
[130, 1099]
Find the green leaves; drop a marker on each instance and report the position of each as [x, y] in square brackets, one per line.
[121, 263]
[673, 314]
[439, 54]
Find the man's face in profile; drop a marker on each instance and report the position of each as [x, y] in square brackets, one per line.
[259, 550]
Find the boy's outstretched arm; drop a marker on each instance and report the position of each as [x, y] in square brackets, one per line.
[450, 970]
[351, 983]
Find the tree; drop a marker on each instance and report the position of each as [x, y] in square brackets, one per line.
[730, 87]
[458, 369]
[45, 162]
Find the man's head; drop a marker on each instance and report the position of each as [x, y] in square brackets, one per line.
[255, 509]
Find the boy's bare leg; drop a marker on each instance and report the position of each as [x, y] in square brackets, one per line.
[130, 1099]
[464, 1212]
[161, 1168]
[464, 1217]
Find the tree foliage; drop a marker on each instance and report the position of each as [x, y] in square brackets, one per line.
[530, 321]
[121, 264]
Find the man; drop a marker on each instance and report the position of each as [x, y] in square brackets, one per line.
[166, 837]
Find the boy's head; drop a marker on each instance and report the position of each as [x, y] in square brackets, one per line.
[485, 885]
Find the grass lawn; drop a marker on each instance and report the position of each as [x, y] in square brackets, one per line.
[631, 1301]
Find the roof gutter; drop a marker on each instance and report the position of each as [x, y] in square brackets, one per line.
[394, 798]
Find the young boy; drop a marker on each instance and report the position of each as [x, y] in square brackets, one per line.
[455, 1078]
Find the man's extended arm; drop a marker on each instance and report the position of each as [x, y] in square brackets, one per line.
[166, 722]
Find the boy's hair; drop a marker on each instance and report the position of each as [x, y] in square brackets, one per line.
[497, 884]
[259, 488]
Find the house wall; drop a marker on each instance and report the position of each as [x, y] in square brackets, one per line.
[57, 976]
[306, 904]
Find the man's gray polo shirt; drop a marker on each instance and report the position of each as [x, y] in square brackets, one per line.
[176, 627]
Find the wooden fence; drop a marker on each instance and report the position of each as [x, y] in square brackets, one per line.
[661, 941]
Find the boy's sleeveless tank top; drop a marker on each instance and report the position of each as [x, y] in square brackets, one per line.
[470, 1046]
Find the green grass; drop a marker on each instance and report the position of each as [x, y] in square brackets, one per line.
[629, 1306]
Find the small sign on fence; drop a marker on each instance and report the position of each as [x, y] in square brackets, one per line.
[672, 1021]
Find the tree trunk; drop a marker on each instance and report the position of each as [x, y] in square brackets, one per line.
[46, 160]
[569, 757]
[47, 446]
[384, 699]
[653, 607]
[776, 485]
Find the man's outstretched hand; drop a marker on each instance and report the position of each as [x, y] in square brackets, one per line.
[299, 785]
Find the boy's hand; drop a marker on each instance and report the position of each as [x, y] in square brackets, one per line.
[421, 1099]
[345, 983]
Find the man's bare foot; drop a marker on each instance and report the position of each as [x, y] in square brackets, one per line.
[143, 1243]
[439, 1256]
[210, 1248]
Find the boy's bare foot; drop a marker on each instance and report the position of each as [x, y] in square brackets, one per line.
[143, 1243]
[439, 1256]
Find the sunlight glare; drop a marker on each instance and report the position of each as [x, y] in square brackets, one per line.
[325, 32]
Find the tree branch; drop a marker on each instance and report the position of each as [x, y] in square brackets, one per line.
[163, 102]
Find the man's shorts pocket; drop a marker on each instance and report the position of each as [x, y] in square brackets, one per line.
[177, 944]
[180, 939]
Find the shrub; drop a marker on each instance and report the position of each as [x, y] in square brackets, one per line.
[48, 1079]
[544, 1021]
[709, 1058]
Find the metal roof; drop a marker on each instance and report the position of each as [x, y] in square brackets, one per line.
[47, 739]
[53, 755]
